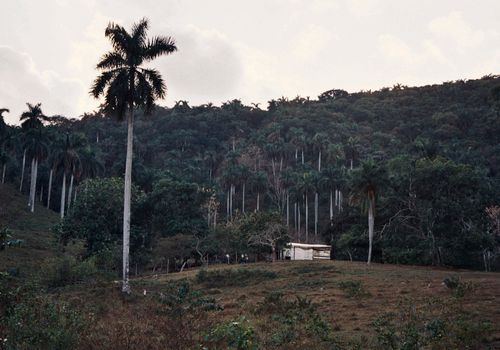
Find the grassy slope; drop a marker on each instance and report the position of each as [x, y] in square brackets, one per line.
[386, 284]
[350, 317]
[319, 281]
[32, 228]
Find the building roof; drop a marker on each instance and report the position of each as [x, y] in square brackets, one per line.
[308, 246]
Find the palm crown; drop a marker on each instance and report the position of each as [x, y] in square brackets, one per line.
[123, 82]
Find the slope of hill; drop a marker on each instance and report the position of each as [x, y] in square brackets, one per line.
[32, 228]
[298, 305]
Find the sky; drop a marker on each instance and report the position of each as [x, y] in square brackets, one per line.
[251, 50]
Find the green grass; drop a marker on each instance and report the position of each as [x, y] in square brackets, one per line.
[34, 229]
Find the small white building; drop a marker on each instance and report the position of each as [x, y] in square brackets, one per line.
[302, 251]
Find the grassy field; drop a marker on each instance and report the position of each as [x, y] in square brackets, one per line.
[282, 305]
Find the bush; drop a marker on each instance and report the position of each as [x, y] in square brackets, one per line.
[67, 270]
[233, 335]
[288, 321]
[233, 277]
[39, 323]
[458, 288]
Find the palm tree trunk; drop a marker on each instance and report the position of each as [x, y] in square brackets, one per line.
[298, 219]
[370, 230]
[296, 155]
[316, 209]
[243, 199]
[127, 197]
[258, 201]
[32, 182]
[50, 188]
[331, 207]
[41, 194]
[287, 209]
[33, 186]
[227, 205]
[302, 156]
[319, 161]
[70, 190]
[307, 219]
[22, 171]
[63, 195]
[3, 173]
[351, 163]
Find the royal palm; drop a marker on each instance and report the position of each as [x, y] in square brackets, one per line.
[125, 85]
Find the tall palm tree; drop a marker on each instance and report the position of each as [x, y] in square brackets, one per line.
[125, 85]
[36, 148]
[351, 150]
[65, 161]
[366, 183]
[31, 119]
[305, 185]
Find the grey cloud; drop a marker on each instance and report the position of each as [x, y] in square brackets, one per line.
[21, 82]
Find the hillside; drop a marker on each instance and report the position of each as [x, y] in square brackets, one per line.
[32, 228]
[349, 297]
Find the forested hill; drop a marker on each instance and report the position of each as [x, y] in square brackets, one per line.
[457, 120]
[429, 155]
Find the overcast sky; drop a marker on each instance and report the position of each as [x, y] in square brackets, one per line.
[252, 50]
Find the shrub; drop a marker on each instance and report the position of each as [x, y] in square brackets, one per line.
[67, 270]
[39, 323]
[233, 335]
[288, 321]
[233, 277]
[458, 287]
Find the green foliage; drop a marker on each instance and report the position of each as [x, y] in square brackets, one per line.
[232, 335]
[458, 287]
[233, 277]
[176, 208]
[97, 218]
[67, 270]
[30, 320]
[287, 321]
[436, 325]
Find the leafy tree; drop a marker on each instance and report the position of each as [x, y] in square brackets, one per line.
[126, 85]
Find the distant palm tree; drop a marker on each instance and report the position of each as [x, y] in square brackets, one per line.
[126, 85]
[366, 183]
[66, 160]
[32, 119]
[37, 149]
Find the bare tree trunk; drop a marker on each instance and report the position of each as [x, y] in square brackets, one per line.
[227, 205]
[3, 173]
[35, 176]
[316, 209]
[22, 171]
[370, 230]
[307, 219]
[127, 201]
[273, 249]
[243, 200]
[287, 208]
[32, 172]
[63, 195]
[70, 190]
[298, 219]
[331, 206]
[50, 188]
[319, 161]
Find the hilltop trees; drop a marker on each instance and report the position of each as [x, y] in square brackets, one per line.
[126, 85]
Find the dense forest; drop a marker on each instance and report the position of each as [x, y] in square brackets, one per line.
[415, 170]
